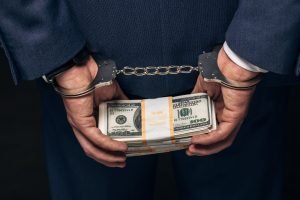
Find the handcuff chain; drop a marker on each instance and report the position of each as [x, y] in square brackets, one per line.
[159, 70]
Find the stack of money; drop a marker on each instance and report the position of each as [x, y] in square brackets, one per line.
[157, 125]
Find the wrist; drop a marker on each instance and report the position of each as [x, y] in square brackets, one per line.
[233, 71]
[79, 76]
[79, 59]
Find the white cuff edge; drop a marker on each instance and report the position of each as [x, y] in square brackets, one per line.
[240, 61]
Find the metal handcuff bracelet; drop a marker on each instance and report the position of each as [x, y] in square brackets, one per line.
[207, 68]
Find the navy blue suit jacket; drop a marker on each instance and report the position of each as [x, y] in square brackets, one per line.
[39, 36]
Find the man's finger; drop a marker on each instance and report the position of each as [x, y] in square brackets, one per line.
[205, 150]
[198, 150]
[108, 164]
[222, 132]
[103, 141]
[87, 127]
[230, 117]
[99, 154]
[107, 93]
[212, 89]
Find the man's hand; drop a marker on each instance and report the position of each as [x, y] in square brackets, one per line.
[80, 112]
[231, 108]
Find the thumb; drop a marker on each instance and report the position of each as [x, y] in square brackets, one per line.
[212, 89]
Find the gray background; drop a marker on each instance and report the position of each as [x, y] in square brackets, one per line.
[22, 169]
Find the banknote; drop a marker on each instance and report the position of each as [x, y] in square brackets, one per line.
[124, 120]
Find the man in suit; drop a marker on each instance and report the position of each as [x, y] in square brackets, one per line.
[41, 37]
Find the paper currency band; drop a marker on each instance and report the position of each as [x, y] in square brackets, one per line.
[157, 120]
[171, 122]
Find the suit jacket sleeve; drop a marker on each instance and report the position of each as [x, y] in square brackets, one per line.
[38, 36]
[267, 34]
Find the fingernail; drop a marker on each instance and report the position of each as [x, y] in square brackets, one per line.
[122, 165]
[125, 148]
[191, 148]
[123, 159]
[188, 153]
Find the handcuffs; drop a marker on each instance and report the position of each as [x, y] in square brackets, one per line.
[107, 72]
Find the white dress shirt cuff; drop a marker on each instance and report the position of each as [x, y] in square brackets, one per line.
[240, 61]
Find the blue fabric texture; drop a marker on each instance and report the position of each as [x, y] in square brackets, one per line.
[39, 36]
[267, 33]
